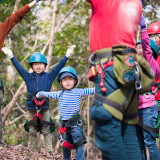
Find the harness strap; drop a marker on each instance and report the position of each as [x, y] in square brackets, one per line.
[148, 128]
[109, 102]
[28, 123]
[37, 115]
[67, 145]
[131, 116]
[81, 141]
[71, 121]
[51, 124]
[33, 98]
[97, 57]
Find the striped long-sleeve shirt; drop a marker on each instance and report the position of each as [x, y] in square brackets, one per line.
[69, 100]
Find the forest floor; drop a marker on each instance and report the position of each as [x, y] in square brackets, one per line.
[19, 152]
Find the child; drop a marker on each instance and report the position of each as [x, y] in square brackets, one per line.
[112, 36]
[69, 106]
[35, 82]
[5, 28]
[147, 108]
[154, 32]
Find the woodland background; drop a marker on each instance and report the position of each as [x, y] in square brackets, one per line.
[49, 28]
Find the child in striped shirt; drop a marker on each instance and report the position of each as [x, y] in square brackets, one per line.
[69, 105]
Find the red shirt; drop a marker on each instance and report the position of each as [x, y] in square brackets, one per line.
[114, 22]
[11, 21]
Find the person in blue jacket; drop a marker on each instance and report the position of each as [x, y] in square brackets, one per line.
[37, 81]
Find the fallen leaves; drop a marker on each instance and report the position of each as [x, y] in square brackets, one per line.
[19, 152]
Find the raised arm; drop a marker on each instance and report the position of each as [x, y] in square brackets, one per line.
[23, 73]
[54, 72]
[11, 21]
[147, 51]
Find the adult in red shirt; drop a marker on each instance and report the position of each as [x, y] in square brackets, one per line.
[5, 28]
[113, 22]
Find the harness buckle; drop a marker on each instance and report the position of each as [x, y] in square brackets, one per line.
[138, 84]
[61, 139]
[79, 122]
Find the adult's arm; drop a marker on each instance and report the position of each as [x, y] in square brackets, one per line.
[147, 51]
[11, 21]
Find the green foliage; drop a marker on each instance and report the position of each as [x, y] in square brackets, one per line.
[14, 135]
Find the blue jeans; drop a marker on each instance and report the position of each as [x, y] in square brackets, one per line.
[74, 135]
[148, 139]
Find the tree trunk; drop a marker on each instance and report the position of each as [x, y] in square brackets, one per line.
[11, 103]
[51, 39]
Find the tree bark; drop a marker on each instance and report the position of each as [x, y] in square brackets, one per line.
[10, 105]
[51, 39]
[16, 6]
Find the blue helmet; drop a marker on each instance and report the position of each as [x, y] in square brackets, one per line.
[67, 71]
[153, 46]
[37, 57]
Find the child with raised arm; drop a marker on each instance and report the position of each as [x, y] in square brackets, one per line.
[147, 108]
[37, 81]
[69, 106]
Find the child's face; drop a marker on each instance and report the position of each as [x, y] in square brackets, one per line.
[139, 49]
[155, 37]
[68, 82]
[38, 67]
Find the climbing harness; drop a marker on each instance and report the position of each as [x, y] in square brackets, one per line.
[65, 127]
[128, 72]
[37, 118]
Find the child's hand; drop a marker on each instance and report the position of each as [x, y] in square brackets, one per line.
[38, 95]
[142, 22]
[70, 51]
[7, 52]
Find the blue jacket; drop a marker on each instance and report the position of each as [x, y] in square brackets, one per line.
[38, 82]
